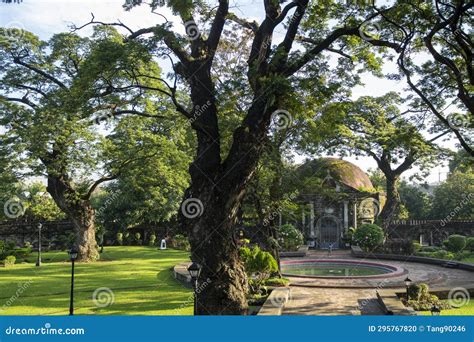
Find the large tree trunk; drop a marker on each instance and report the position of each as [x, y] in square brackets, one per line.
[81, 214]
[222, 283]
[220, 187]
[392, 204]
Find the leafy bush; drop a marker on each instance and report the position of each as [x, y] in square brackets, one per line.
[9, 260]
[470, 244]
[152, 240]
[120, 239]
[455, 243]
[462, 255]
[416, 246]
[259, 265]
[276, 282]
[126, 238]
[427, 305]
[420, 299]
[399, 246]
[6, 248]
[429, 249]
[21, 252]
[289, 238]
[180, 241]
[138, 237]
[369, 236]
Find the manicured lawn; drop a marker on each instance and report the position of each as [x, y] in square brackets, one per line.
[140, 278]
[466, 310]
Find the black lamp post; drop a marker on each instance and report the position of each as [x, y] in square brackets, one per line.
[435, 310]
[407, 285]
[73, 256]
[194, 271]
[38, 260]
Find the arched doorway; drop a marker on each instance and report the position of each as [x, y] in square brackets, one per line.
[329, 232]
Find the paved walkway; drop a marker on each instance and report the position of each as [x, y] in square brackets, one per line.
[319, 296]
[327, 302]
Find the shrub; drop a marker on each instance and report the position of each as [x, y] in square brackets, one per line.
[9, 261]
[427, 305]
[455, 243]
[152, 240]
[462, 255]
[470, 244]
[138, 238]
[369, 236]
[289, 238]
[126, 238]
[120, 239]
[416, 246]
[181, 242]
[429, 249]
[21, 252]
[399, 246]
[259, 265]
[420, 299]
[277, 282]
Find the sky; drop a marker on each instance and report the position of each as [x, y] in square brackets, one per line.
[47, 17]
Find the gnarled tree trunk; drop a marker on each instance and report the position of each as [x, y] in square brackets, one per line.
[392, 204]
[220, 186]
[81, 214]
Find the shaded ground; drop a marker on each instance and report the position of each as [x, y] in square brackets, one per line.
[140, 279]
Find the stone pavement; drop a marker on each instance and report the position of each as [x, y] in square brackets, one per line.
[318, 296]
[327, 302]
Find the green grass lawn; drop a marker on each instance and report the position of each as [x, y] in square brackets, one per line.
[466, 310]
[140, 278]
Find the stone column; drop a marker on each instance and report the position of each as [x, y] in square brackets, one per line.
[355, 214]
[346, 215]
[311, 222]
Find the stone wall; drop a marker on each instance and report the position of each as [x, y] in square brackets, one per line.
[432, 232]
[24, 231]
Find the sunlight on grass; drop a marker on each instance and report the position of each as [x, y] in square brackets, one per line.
[140, 278]
[466, 310]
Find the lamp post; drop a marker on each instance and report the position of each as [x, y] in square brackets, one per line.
[73, 256]
[435, 310]
[407, 285]
[194, 271]
[38, 260]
